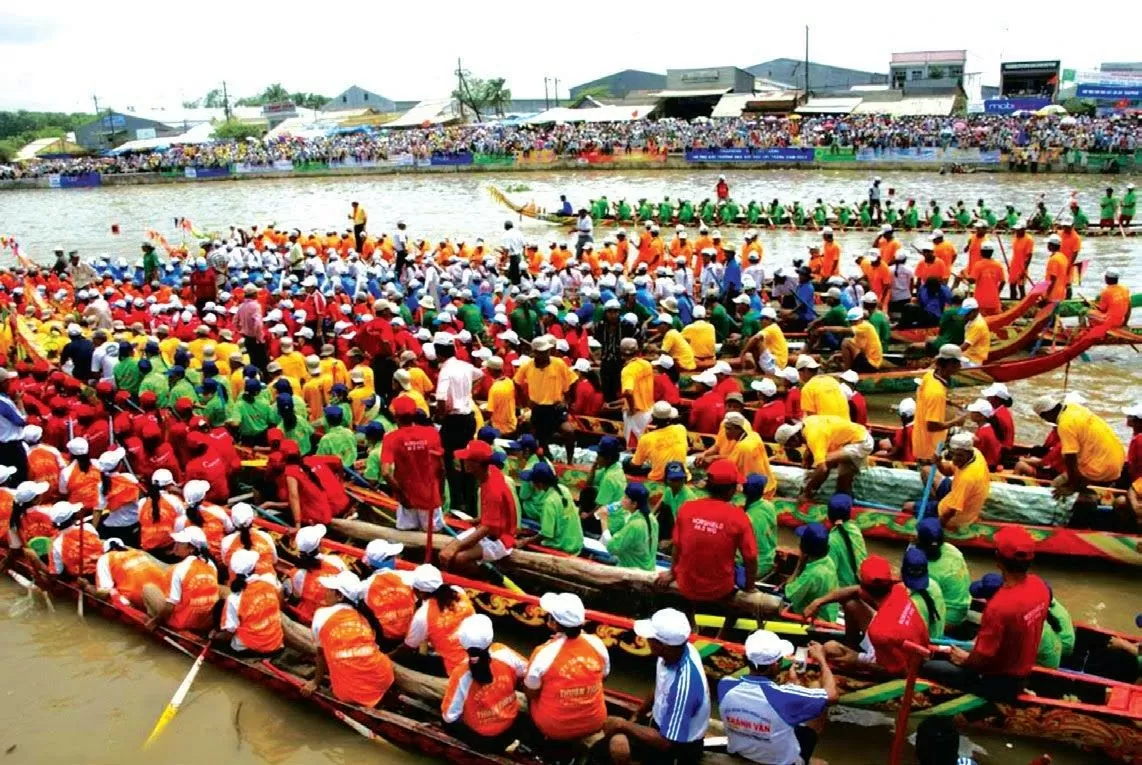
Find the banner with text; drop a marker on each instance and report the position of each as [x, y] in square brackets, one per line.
[541, 157]
[1009, 105]
[280, 166]
[929, 155]
[445, 160]
[1109, 92]
[747, 154]
[834, 154]
[84, 181]
[502, 160]
[206, 172]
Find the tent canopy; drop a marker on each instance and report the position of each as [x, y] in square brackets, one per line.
[614, 113]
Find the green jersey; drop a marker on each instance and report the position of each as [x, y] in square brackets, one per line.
[1107, 206]
[721, 321]
[844, 215]
[1080, 218]
[776, 212]
[254, 417]
[665, 212]
[753, 213]
[751, 323]
[963, 217]
[524, 320]
[645, 212]
[214, 411]
[951, 573]
[127, 376]
[1056, 644]
[708, 212]
[624, 211]
[798, 214]
[1129, 204]
[820, 215]
[892, 216]
[373, 464]
[156, 382]
[341, 442]
[817, 579]
[635, 545]
[934, 621]
[686, 213]
[184, 388]
[935, 219]
[472, 318]
[911, 217]
[559, 524]
[1011, 218]
[865, 216]
[879, 319]
[730, 211]
[951, 327]
[845, 561]
[763, 517]
[610, 484]
[529, 498]
[836, 316]
[673, 501]
[302, 434]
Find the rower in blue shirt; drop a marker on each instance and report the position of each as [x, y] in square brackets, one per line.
[805, 310]
[731, 275]
[565, 206]
[680, 706]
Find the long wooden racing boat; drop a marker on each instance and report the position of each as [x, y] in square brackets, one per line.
[535, 212]
[1091, 713]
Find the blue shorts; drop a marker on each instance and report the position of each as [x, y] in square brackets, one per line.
[941, 491]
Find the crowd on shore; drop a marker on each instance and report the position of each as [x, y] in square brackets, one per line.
[985, 132]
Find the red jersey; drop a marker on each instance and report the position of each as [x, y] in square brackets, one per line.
[727, 385]
[896, 621]
[497, 507]
[211, 468]
[1134, 457]
[418, 456]
[314, 504]
[1003, 414]
[666, 389]
[1010, 629]
[988, 445]
[586, 400]
[768, 418]
[707, 412]
[707, 534]
[902, 444]
[858, 409]
[793, 404]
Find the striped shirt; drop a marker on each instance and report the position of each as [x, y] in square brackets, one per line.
[760, 717]
[682, 698]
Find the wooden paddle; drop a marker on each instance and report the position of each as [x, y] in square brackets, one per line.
[928, 484]
[176, 700]
[918, 653]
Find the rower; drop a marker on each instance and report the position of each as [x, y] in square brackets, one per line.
[820, 394]
[679, 705]
[766, 722]
[835, 316]
[947, 568]
[988, 278]
[213, 520]
[545, 381]
[708, 533]
[1113, 302]
[664, 442]
[66, 559]
[675, 493]
[636, 389]
[762, 515]
[1058, 270]
[252, 619]
[303, 585]
[411, 462]
[1000, 399]
[607, 477]
[1058, 641]
[345, 632]
[924, 591]
[771, 413]
[480, 702]
[700, 333]
[1010, 628]
[191, 589]
[560, 526]
[387, 591]
[1091, 451]
[437, 619]
[493, 537]
[815, 575]
[977, 335]
[932, 402]
[959, 498]
[673, 343]
[830, 442]
[630, 531]
[26, 517]
[791, 393]
[747, 451]
[564, 678]
[862, 351]
[846, 542]
[122, 573]
[767, 350]
[245, 537]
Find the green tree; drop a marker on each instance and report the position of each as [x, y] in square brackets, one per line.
[597, 92]
[308, 100]
[236, 130]
[1079, 107]
[482, 96]
[213, 99]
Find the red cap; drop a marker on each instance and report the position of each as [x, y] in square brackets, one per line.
[184, 404]
[196, 438]
[150, 431]
[103, 387]
[58, 402]
[121, 423]
[41, 367]
[84, 412]
[199, 423]
[722, 473]
[72, 384]
[404, 406]
[148, 398]
[876, 570]
[122, 396]
[289, 448]
[1014, 543]
[274, 436]
[477, 451]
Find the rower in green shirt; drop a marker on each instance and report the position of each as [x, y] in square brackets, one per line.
[1041, 220]
[820, 214]
[1011, 217]
[776, 213]
[665, 211]
[675, 493]
[730, 211]
[1080, 219]
[947, 568]
[1107, 208]
[559, 524]
[984, 213]
[763, 518]
[911, 216]
[180, 387]
[635, 544]
[213, 404]
[645, 211]
[891, 215]
[524, 319]
[338, 439]
[844, 214]
[798, 214]
[623, 210]
[864, 213]
[126, 371]
[951, 327]
[816, 574]
[686, 212]
[878, 319]
[607, 476]
[935, 217]
[708, 211]
[1128, 206]
[924, 591]
[295, 427]
[963, 215]
[374, 437]
[470, 315]
[846, 543]
[521, 459]
[155, 381]
[717, 315]
[753, 213]
[253, 415]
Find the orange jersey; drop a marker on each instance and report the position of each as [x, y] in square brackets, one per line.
[988, 276]
[569, 676]
[67, 552]
[358, 672]
[254, 615]
[392, 601]
[945, 251]
[1021, 249]
[260, 542]
[975, 243]
[1057, 266]
[936, 268]
[128, 572]
[192, 586]
[439, 628]
[304, 585]
[1114, 301]
[488, 709]
[830, 259]
[155, 534]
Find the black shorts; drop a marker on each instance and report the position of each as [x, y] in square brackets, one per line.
[862, 366]
[689, 753]
[546, 420]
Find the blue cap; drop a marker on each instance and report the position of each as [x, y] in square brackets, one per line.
[929, 531]
[914, 569]
[282, 385]
[610, 446]
[177, 369]
[541, 471]
[182, 358]
[488, 434]
[527, 441]
[284, 401]
[145, 365]
[755, 483]
[151, 347]
[339, 388]
[209, 386]
[125, 347]
[513, 446]
[373, 428]
[498, 459]
[209, 368]
[637, 491]
[840, 507]
[250, 371]
[333, 413]
[1138, 620]
[253, 385]
[675, 471]
[987, 586]
[814, 538]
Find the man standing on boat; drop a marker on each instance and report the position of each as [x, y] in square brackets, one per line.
[513, 247]
[12, 422]
[248, 322]
[874, 201]
[1010, 629]
[359, 217]
[722, 190]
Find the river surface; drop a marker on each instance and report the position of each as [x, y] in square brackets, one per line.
[89, 692]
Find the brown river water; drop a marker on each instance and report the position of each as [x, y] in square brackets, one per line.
[89, 692]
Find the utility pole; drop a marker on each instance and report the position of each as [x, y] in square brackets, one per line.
[546, 102]
[557, 91]
[225, 101]
[806, 62]
[95, 100]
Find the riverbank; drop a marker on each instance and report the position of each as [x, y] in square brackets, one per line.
[539, 163]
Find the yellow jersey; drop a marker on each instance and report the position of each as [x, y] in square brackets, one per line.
[501, 405]
[700, 335]
[971, 486]
[678, 348]
[825, 434]
[637, 378]
[658, 447]
[774, 340]
[977, 336]
[931, 406]
[1082, 432]
[868, 341]
[547, 385]
[823, 395]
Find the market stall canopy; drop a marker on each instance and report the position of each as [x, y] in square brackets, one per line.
[442, 111]
[48, 147]
[613, 113]
[829, 106]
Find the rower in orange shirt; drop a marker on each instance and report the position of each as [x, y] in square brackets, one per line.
[975, 242]
[888, 246]
[1057, 269]
[830, 254]
[677, 241]
[703, 241]
[1071, 244]
[751, 245]
[945, 250]
[1114, 301]
[657, 250]
[1022, 247]
[535, 257]
[988, 277]
[878, 274]
[560, 257]
[930, 266]
[622, 248]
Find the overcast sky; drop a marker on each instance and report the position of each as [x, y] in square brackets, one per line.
[155, 54]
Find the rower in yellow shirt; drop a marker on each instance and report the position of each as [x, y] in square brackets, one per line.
[358, 395]
[1092, 452]
[664, 442]
[930, 424]
[317, 389]
[977, 335]
[292, 361]
[501, 398]
[748, 451]
[420, 380]
[959, 498]
[224, 350]
[767, 351]
[167, 345]
[333, 366]
[830, 442]
[356, 358]
[820, 394]
[195, 347]
[673, 343]
[636, 386]
[403, 382]
[700, 334]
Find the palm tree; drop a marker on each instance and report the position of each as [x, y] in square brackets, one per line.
[496, 96]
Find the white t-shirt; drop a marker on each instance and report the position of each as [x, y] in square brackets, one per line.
[760, 717]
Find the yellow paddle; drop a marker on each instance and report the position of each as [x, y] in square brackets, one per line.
[176, 700]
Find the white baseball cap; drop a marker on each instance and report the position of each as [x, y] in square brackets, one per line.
[969, 304]
[906, 408]
[77, 447]
[664, 361]
[345, 582]
[191, 535]
[243, 562]
[1045, 403]
[765, 387]
[475, 632]
[195, 491]
[981, 406]
[28, 490]
[668, 625]
[961, 442]
[805, 361]
[242, 514]
[849, 376]
[309, 537]
[789, 374]
[162, 477]
[786, 432]
[581, 366]
[763, 648]
[380, 550]
[565, 608]
[427, 578]
[996, 390]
